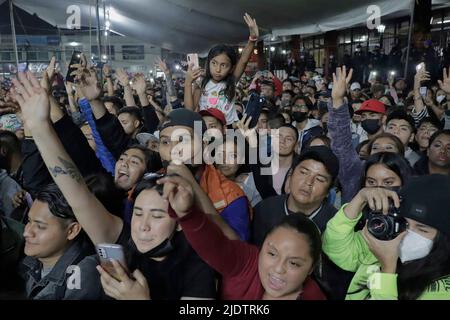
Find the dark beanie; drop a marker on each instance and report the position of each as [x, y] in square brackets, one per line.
[426, 199]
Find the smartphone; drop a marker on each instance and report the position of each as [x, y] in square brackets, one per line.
[420, 66]
[253, 108]
[107, 252]
[423, 91]
[192, 59]
[22, 67]
[76, 59]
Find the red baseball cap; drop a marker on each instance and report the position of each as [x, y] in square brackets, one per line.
[215, 113]
[372, 105]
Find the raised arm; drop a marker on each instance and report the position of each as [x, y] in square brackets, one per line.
[248, 50]
[171, 92]
[47, 77]
[125, 83]
[202, 201]
[140, 86]
[89, 87]
[224, 255]
[192, 92]
[99, 224]
[350, 165]
[107, 72]
[445, 83]
[419, 106]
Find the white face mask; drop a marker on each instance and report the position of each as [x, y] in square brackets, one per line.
[414, 246]
[440, 98]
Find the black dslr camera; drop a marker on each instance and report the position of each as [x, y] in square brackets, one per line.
[386, 227]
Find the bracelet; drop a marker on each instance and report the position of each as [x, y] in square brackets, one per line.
[252, 39]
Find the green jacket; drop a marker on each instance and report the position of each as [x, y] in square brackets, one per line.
[349, 251]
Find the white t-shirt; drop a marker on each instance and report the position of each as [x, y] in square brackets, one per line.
[213, 96]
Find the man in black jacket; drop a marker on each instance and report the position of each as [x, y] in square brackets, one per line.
[313, 175]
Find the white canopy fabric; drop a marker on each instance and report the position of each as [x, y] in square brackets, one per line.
[196, 25]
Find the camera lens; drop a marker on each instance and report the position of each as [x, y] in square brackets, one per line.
[381, 227]
[377, 226]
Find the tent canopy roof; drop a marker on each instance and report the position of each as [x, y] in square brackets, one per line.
[196, 25]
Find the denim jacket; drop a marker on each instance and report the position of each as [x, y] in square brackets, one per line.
[74, 276]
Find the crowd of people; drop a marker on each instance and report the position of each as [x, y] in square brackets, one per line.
[225, 185]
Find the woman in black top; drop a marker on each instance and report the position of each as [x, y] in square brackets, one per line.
[167, 268]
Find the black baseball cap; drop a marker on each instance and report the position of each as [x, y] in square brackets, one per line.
[426, 199]
[182, 117]
[268, 83]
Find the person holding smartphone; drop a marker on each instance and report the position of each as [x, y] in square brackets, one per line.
[162, 264]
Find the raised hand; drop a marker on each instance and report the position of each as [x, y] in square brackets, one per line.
[249, 134]
[341, 79]
[193, 74]
[139, 83]
[178, 191]
[162, 65]
[87, 82]
[252, 26]
[122, 76]
[70, 88]
[33, 100]
[445, 83]
[421, 75]
[48, 75]
[243, 125]
[107, 70]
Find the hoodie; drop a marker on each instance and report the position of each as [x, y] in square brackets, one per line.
[311, 130]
